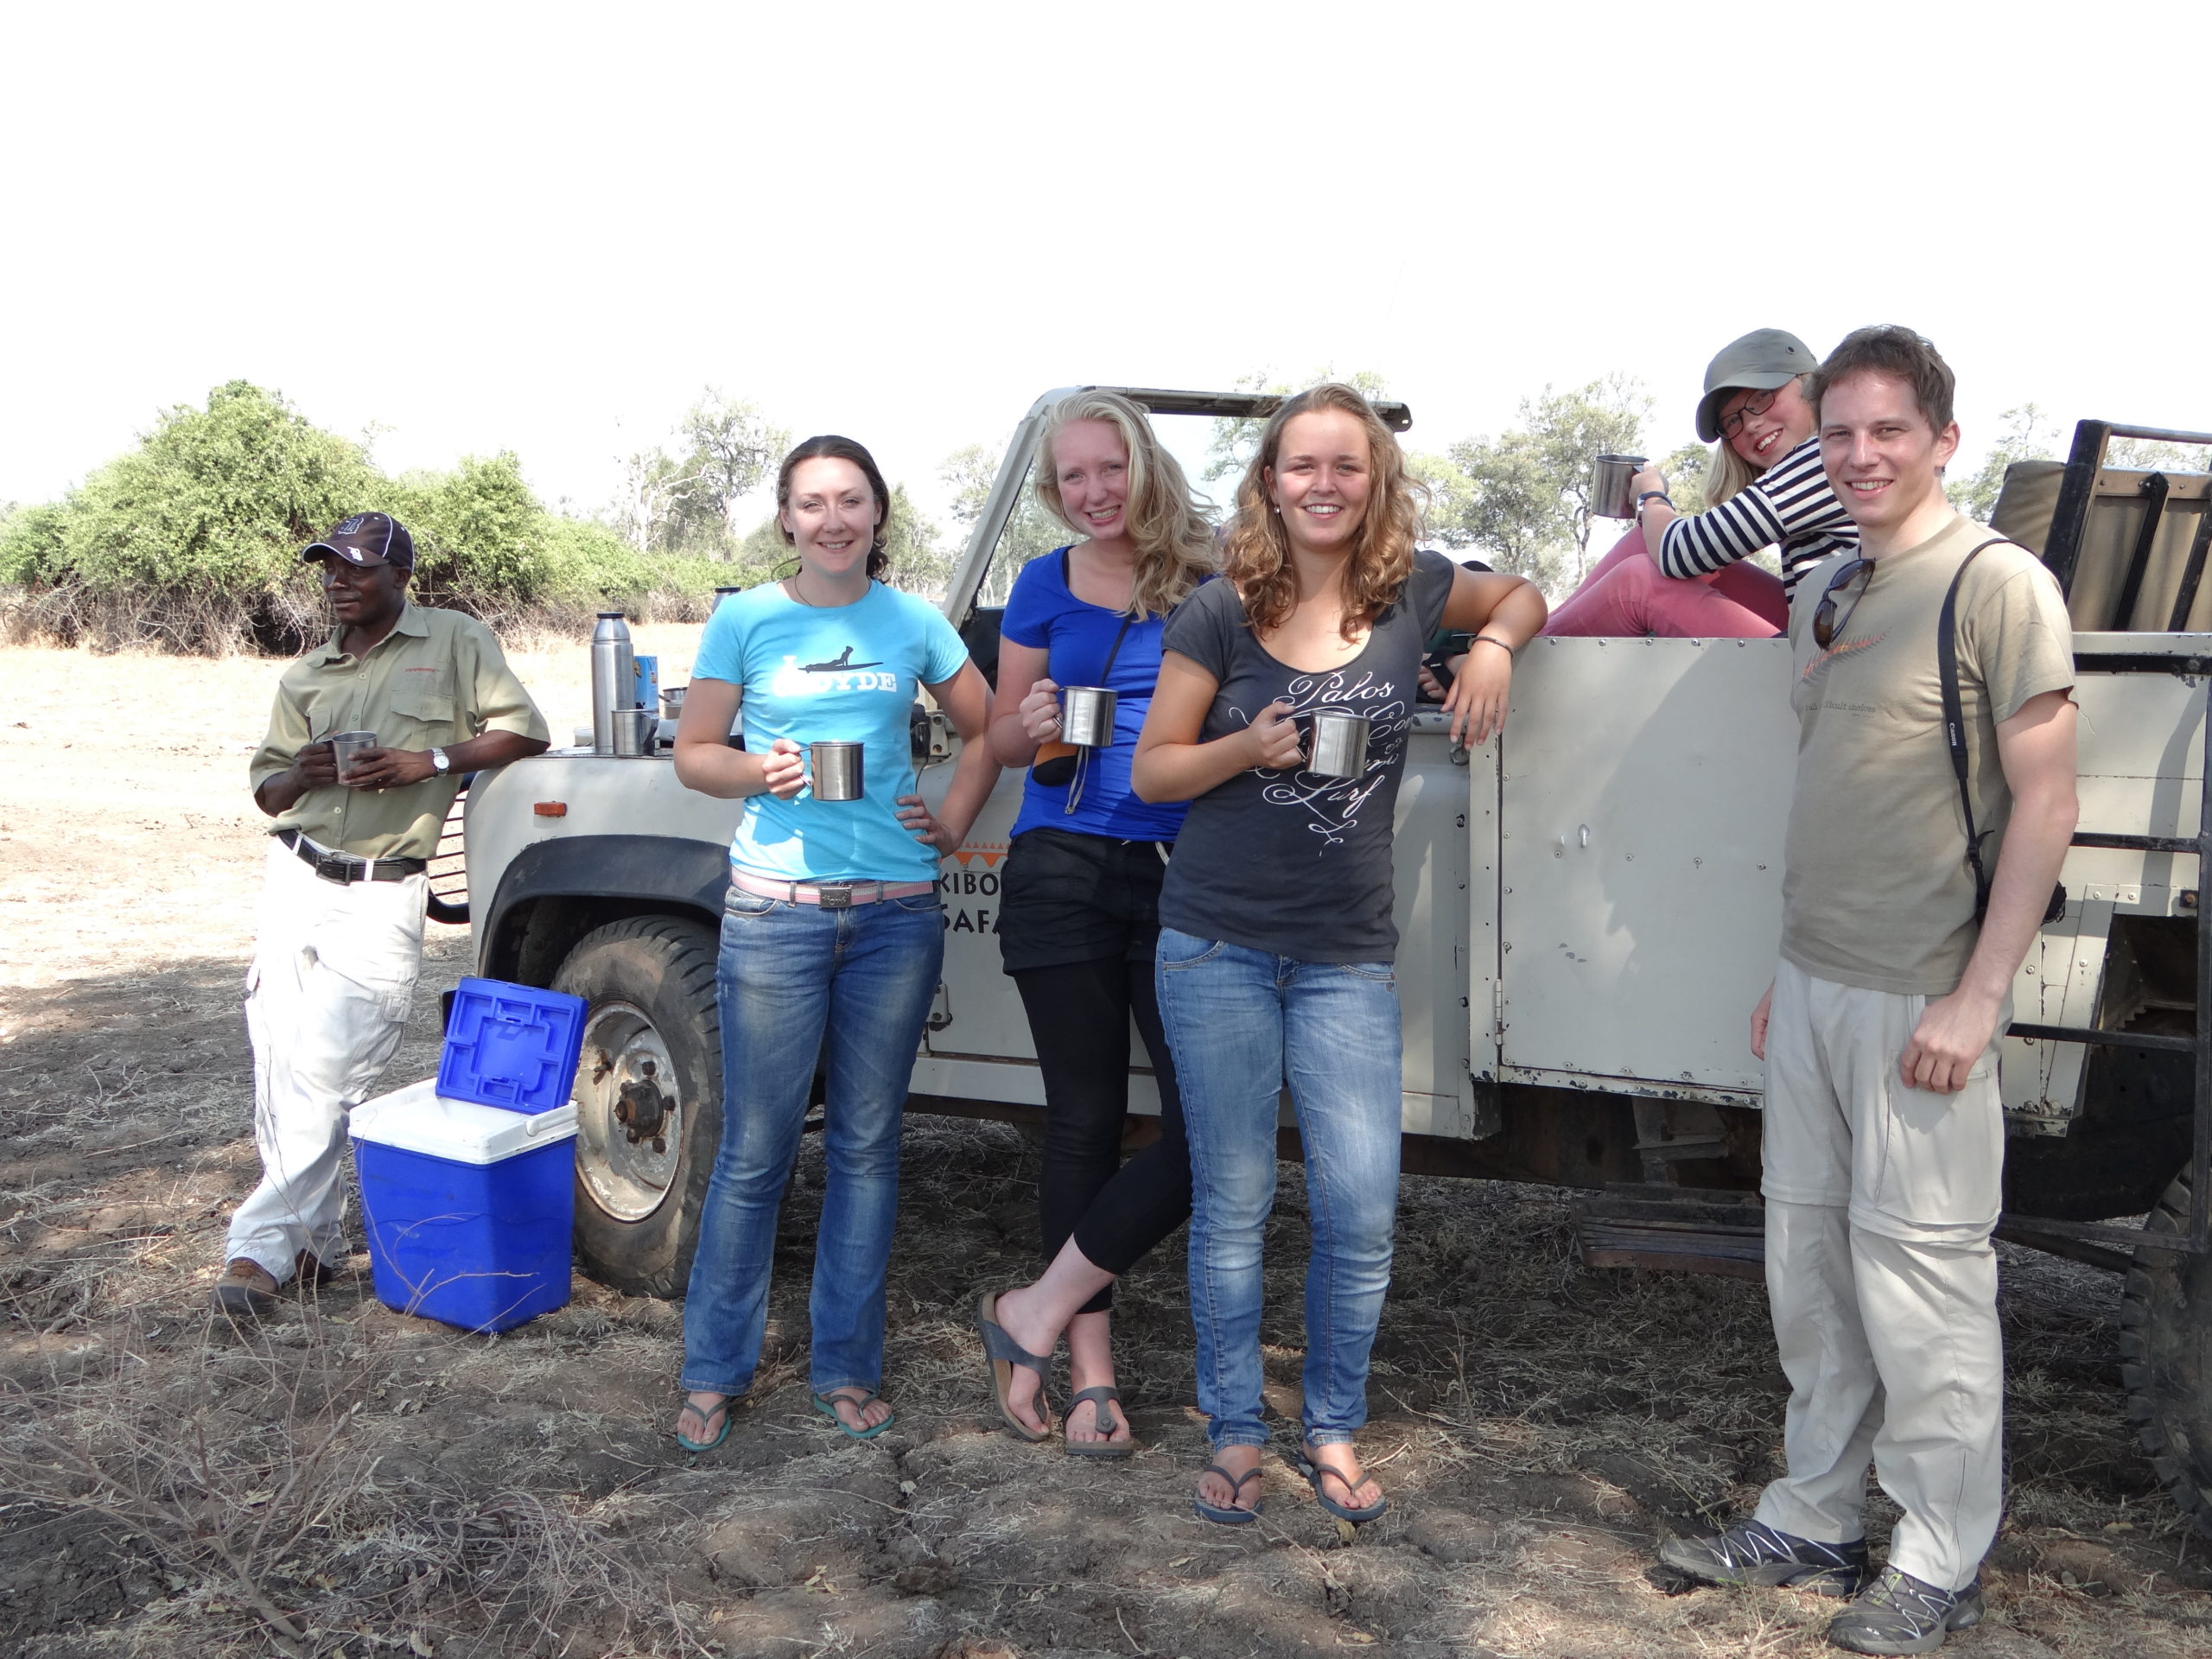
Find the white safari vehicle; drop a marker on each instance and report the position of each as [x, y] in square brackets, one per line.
[1589, 907]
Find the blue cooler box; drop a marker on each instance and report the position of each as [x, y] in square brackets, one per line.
[468, 1208]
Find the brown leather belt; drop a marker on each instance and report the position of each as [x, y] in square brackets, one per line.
[344, 868]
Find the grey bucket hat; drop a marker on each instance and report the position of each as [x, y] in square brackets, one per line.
[1762, 360]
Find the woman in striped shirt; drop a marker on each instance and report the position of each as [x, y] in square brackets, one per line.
[1688, 575]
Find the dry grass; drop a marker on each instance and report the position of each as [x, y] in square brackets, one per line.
[348, 1479]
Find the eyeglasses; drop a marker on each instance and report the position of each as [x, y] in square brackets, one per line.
[1826, 623]
[1757, 404]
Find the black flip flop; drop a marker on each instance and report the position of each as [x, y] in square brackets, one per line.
[1099, 1399]
[1231, 1517]
[1004, 1354]
[1315, 1473]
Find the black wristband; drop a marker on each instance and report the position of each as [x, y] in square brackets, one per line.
[1490, 640]
[1654, 495]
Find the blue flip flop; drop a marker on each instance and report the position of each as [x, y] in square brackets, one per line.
[827, 1405]
[1315, 1473]
[1231, 1517]
[707, 1414]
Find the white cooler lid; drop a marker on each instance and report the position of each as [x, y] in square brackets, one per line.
[419, 1119]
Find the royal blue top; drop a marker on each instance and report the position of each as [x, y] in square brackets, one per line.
[1076, 637]
[848, 672]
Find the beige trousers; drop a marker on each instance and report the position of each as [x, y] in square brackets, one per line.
[1879, 1202]
[326, 1005]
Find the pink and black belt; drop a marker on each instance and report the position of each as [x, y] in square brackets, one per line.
[830, 895]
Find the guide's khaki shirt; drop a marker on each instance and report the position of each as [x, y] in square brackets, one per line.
[436, 679]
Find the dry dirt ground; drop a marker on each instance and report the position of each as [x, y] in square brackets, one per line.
[350, 1480]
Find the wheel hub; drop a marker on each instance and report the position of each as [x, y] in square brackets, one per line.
[629, 1113]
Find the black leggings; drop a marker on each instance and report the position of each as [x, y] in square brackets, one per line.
[1079, 1015]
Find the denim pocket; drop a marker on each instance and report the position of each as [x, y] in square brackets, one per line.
[919, 904]
[1174, 947]
[1382, 973]
[738, 902]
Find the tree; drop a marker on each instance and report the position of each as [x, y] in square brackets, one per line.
[2022, 439]
[194, 537]
[2154, 455]
[480, 531]
[969, 473]
[1236, 438]
[687, 501]
[1522, 498]
[918, 565]
[1685, 470]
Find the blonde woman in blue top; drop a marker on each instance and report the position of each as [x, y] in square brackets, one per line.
[1079, 907]
[832, 936]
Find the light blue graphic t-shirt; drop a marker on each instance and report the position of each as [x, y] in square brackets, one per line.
[846, 673]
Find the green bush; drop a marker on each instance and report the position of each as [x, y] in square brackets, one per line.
[193, 539]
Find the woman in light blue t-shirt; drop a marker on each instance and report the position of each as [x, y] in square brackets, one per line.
[832, 939]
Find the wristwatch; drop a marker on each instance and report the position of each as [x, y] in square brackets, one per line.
[440, 763]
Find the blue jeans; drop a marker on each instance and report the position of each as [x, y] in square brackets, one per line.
[1242, 1023]
[787, 974]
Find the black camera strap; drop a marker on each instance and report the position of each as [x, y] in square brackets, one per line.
[1955, 735]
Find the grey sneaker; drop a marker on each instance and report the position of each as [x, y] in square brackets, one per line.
[1754, 1554]
[1898, 1613]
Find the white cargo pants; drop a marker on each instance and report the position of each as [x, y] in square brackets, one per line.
[1880, 1203]
[326, 1002]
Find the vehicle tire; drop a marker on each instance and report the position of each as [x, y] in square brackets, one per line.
[2165, 1349]
[649, 1098]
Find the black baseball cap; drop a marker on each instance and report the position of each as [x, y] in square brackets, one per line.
[367, 538]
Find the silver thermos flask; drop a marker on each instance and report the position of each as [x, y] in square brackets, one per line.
[613, 677]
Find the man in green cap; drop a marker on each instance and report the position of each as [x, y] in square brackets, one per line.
[344, 890]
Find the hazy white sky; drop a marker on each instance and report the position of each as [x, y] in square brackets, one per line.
[546, 228]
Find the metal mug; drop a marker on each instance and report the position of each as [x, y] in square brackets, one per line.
[1336, 743]
[1087, 716]
[836, 768]
[634, 731]
[672, 702]
[346, 748]
[1612, 485]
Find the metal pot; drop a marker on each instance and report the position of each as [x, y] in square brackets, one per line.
[672, 702]
[1087, 716]
[1612, 485]
[1336, 743]
[837, 769]
[633, 731]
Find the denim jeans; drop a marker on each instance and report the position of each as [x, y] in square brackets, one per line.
[789, 974]
[1242, 1024]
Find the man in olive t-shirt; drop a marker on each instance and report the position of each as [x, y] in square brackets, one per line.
[339, 935]
[1884, 1134]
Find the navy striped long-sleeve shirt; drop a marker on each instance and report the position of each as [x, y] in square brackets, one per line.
[1790, 503]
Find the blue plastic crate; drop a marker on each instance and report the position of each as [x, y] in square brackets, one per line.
[511, 1046]
[469, 1209]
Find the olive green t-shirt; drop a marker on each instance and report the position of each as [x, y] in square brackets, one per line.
[436, 679]
[1876, 890]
